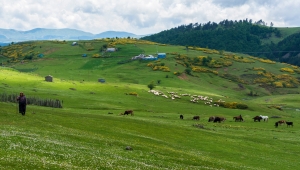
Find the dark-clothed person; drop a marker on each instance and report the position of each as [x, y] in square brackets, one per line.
[22, 103]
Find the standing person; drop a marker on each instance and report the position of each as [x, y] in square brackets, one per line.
[22, 103]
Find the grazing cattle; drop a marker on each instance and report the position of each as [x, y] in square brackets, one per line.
[289, 124]
[212, 118]
[280, 122]
[219, 119]
[238, 118]
[276, 124]
[196, 118]
[265, 118]
[127, 112]
[257, 118]
[181, 116]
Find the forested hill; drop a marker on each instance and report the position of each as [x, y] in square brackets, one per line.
[287, 50]
[228, 35]
[237, 36]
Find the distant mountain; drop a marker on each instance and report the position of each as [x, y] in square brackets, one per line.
[111, 34]
[3, 44]
[11, 35]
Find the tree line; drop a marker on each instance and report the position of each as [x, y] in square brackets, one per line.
[244, 36]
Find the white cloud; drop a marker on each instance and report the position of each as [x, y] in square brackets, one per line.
[140, 16]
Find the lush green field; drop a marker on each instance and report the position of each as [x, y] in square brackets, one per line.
[89, 132]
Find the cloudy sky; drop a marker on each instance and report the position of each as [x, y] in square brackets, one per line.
[141, 16]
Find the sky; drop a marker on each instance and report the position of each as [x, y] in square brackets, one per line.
[141, 17]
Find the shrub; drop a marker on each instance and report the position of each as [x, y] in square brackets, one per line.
[188, 71]
[287, 70]
[133, 93]
[151, 86]
[177, 73]
[241, 106]
[231, 105]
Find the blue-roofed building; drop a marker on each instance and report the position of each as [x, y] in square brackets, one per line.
[41, 55]
[161, 55]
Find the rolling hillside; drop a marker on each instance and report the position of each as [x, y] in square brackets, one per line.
[89, 132]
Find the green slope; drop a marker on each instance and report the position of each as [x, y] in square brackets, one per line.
[89, 132]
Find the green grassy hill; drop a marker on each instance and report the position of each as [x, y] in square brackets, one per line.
[285, 32]
[243, 36]
[89, 132]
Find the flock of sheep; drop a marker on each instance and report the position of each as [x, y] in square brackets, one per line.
[194, 98]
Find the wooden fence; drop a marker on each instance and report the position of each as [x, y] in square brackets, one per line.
[32, 100]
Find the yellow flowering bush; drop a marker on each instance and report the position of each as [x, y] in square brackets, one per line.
[177, 73]
[200, 69]
[278, 84]
[161, 68]
[133, 93]
[258, 69]
[287, 70]
[96, 56]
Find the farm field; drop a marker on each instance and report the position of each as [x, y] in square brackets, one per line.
[89, 132]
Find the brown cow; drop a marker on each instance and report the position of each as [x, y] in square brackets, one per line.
[196, 118]
[212, 118]
[238, 118]
[219, 119]
[257, 118]
[127, 112]
[280, 122]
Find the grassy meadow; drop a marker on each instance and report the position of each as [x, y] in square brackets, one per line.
[89, 132]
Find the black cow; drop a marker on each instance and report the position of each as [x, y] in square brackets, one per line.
[181, 116]
[196, 118]
[289, 124]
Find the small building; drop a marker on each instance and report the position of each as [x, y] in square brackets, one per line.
[111, 49]
[150, 57]
[74, 43]
[161, 55]
[49, 78]
[101, 80]
[40, 55]
[141, 56]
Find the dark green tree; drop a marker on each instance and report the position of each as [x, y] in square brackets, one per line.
[188, 71]
[151, 85]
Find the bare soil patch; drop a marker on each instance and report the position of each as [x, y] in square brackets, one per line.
[183, 76]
